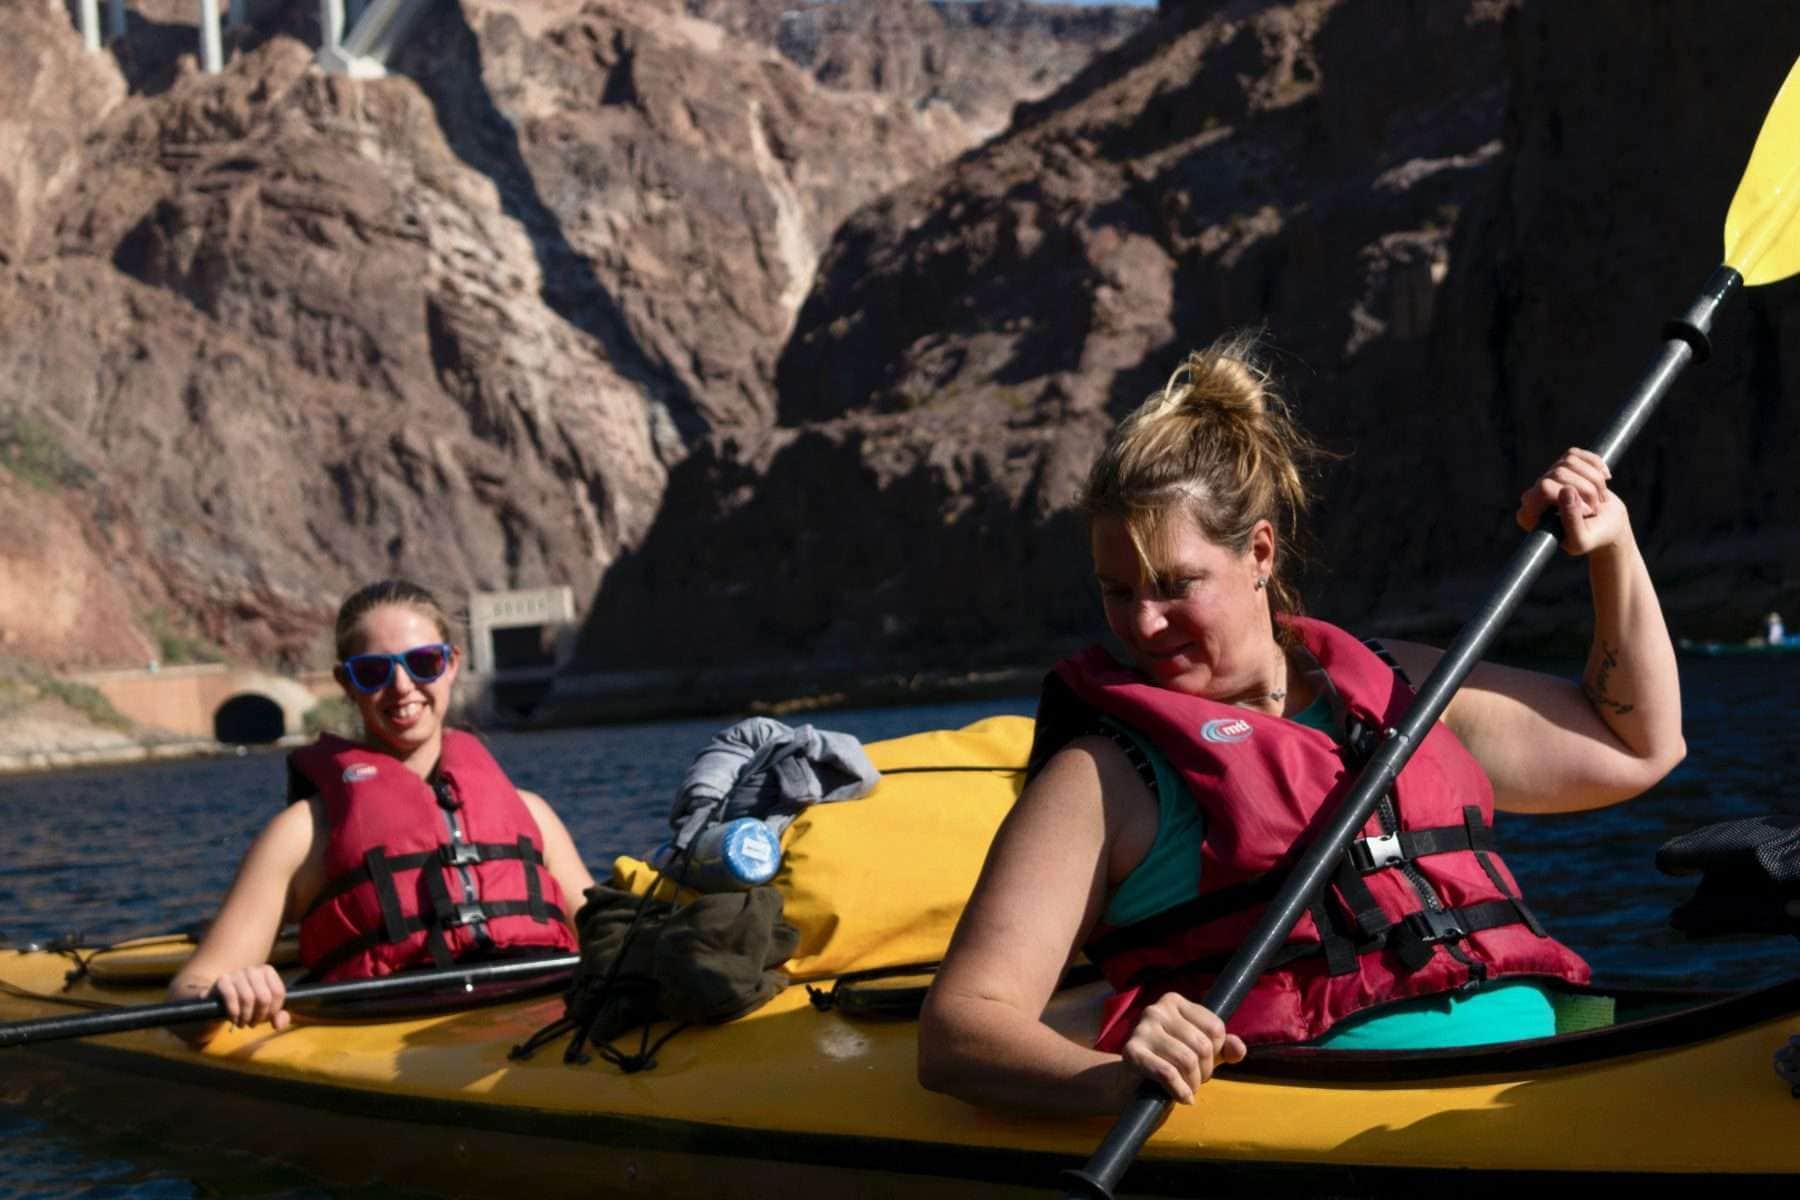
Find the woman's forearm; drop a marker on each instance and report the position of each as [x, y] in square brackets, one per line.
[1631, 679]
[988, 1053]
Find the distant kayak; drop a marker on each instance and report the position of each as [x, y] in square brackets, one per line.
[1722, 649]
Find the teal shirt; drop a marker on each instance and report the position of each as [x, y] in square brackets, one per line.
[1503, 1011]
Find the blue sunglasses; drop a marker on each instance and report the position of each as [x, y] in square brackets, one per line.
[371, 672]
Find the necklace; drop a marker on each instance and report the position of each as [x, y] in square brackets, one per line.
[1274, 696]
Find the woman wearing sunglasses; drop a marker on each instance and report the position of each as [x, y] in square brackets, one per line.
[407, 849]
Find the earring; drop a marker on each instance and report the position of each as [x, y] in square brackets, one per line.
[1262, 581]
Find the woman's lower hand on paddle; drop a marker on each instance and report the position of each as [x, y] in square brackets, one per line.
[1178, 1044]
[253, 995]
[1576, 486]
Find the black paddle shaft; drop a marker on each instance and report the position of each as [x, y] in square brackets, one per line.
[149, 1016]
[1686, 338]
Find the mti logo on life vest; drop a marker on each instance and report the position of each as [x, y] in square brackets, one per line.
[1226, 729]
[358, 772]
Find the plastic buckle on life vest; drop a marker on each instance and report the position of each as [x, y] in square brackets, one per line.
[469, 914]
[446, 796]
[459, 854]
[1372, 854]
[1436, 925]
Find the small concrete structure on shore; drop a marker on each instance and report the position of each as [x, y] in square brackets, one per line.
[233, 705]
[518, 641]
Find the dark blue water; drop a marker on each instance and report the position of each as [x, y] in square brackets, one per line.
[116, 853]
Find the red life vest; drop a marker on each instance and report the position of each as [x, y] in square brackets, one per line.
[422, 873]
[1422, 903]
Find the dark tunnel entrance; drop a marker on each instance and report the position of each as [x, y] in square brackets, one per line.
[249, 720]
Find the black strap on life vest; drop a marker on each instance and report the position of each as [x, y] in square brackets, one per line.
[1370, 921]
[1338, 947]
[378, 870]
[446, 912]
[1380, 651]
[534, 891]
[1364, 927]
[1427, 928]
[411, 925]
[375, 867]
[1472, 818]
[1369, 854]
[450, 854]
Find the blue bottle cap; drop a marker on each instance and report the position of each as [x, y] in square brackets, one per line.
[751, 852]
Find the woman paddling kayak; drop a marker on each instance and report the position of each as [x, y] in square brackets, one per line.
[408, 849]
[1169, 792]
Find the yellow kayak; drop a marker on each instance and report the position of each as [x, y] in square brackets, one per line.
[795, 1100]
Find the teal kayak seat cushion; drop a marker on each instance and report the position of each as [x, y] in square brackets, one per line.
[1510, 1010]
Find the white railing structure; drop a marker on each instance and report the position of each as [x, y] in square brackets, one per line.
[375, 30]
[212, 42]
[357, 35]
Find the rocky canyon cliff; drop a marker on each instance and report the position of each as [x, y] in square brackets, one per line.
[785, 332]
[1461, 228]
[270, 332]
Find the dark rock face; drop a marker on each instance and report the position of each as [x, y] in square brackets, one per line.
[1462, 231]
[293, 332]
[857, 546]
[1214, 173]
[980, 329]
[1630, 138]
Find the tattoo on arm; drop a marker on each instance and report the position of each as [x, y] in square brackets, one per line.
[1595, 688]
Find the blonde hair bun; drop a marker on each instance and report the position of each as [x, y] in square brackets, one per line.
[1218, 442]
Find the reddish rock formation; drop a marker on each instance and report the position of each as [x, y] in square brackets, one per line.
[62, 604]
[297, 331]
[253, 327]
[50, 94]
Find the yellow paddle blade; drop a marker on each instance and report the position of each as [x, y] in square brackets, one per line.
[1762, 230]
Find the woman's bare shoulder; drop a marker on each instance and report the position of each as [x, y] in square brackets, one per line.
[302, 837]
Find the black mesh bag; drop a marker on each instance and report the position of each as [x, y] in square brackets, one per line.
[1749, 876]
